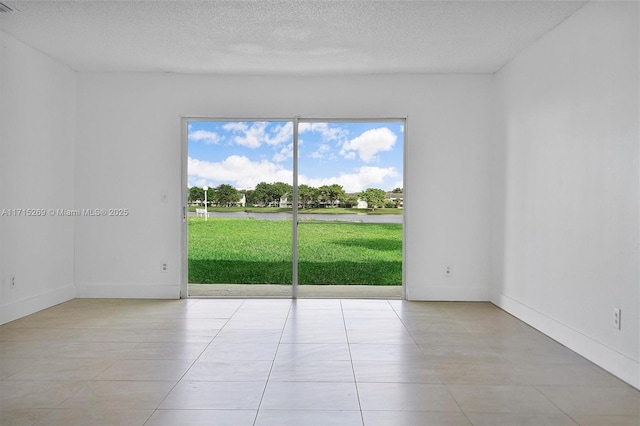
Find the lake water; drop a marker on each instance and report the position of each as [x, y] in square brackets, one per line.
[358, 218]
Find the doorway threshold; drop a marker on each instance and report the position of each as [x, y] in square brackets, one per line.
[310, 291]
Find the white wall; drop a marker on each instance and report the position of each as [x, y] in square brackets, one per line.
[37, 144]
[537, 165]
[129, 150]
[568, 109]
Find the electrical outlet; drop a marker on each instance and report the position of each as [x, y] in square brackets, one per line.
[448, 271]
[12, 281]
[617, 323]
[164, 266]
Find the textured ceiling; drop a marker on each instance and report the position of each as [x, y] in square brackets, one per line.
[283, 37]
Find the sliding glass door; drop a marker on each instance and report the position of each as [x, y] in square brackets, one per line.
[302, 208]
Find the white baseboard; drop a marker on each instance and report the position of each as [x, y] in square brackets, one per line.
[127, 291]
[605, 357]
[448, 294]
[21, 308]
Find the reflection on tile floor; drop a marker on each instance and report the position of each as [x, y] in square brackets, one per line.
[305, 362]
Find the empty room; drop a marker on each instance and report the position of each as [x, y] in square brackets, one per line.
[502, 139]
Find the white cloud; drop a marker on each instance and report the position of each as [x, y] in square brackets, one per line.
[205, 136]
[324, 151]
[259, 133]
[243, 173]
[369, 143]
[236, 170]
[328, 133]
[363, 178]
[255, 134]
[285, 153]
[349, 155]
[235, 126]
[251, 137]
[282, 133]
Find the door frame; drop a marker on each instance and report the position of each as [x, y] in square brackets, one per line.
[296, 120]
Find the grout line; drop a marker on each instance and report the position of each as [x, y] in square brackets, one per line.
[355, 381]
[554, 404]
[194, 361]
[293, 301]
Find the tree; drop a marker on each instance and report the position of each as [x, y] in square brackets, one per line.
[332, 193]
[351, 201]
[211, 195]
[373, 196]
[337, 193]
[307, 195]
[397, 190]
[262, 193]
[323, 194]
[279, 189]
[226, 195]
[196, 195]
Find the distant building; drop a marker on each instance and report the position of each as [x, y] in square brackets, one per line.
[396, 197]
[242, 202]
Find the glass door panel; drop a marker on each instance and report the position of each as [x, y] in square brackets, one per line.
[350, 209]
[239, 220]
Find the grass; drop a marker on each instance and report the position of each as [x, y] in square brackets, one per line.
[250, 251]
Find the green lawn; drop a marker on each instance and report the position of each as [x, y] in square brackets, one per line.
[250, 251]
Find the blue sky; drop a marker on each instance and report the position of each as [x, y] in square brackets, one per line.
[356, 155]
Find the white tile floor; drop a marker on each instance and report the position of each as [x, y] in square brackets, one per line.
[306, 362]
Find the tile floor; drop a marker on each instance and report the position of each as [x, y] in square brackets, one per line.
[306, 362]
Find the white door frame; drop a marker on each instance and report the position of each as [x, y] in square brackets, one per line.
[184, 284]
